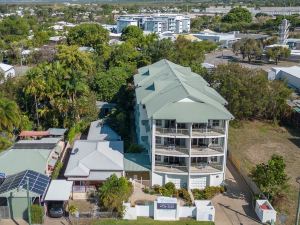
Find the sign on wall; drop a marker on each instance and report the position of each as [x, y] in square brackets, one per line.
[166, 206]
[166, 203]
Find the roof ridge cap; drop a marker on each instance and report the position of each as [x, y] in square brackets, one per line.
[177, 77]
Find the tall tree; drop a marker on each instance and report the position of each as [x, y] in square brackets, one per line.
[237, 15]
[271, 178]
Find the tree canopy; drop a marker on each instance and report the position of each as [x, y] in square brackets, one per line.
[237, 15]
[114, 192]
[249, 93]
[271, 178]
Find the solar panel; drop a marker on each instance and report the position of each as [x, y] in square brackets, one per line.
[38, 183]
[34, 145]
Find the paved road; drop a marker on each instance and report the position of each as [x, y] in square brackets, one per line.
[232, 207]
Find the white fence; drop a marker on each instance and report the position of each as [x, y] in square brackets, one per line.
[203, 211]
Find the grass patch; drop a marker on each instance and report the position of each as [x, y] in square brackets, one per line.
[254, 142]
[149, 221]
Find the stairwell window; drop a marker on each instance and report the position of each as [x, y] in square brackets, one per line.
[216, 123]
[158, 123]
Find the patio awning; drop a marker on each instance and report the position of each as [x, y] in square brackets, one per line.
[59, 190]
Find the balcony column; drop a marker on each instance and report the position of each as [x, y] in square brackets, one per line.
[225, 147]
[190, 150]
[153, 148]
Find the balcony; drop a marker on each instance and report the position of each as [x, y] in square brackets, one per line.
[213, 131]
[212, 149]
[171, 150]
[172, 131]
[170, 168]
[206, 168]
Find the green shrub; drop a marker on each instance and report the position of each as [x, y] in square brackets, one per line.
[157, 189]
[184, 194]
[37, 214]
[135, 148]
[165, 192]
[146, 190]
[208, 192]
[170, 186]
[58, 166]
[199, 194]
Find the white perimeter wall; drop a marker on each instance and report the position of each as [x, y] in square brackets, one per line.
[203, 213]
[216, 179]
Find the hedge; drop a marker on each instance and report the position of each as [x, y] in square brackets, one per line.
[37, 214]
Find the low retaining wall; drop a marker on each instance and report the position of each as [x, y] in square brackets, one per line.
[203, 211]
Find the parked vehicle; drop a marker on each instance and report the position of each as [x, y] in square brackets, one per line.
[56, 212]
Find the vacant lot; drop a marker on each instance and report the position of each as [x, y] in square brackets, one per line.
[147, 221]
[255, 142]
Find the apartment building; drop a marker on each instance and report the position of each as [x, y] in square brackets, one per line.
[156, 23]
[183, 124]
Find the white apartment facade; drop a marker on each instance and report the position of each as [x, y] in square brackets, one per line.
[183, 124]
[156, 23]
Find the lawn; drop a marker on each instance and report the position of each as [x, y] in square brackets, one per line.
[255, 142]
[148, 221]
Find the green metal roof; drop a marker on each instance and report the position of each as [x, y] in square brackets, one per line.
[162, 85]
[16, 160]
[136, 162]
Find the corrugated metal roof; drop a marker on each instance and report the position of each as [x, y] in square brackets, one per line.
[162, 85]
[89, 156]
[31, 133]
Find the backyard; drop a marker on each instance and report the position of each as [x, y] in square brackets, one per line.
[254, 142]
[148, 221]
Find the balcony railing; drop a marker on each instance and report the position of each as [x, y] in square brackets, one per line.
[172, 131]
[207, 150]
[206, 167]
[208, 131]
[172, 168]
[171, 150]
[83, 188]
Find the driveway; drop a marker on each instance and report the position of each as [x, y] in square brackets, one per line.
[233, 207]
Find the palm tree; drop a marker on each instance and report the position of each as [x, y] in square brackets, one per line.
[10, 117]
[35, 87]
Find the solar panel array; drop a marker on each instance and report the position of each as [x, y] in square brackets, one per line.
[34, 146]
[38, 183]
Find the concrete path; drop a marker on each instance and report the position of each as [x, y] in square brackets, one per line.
[13, 222]
[233, 207]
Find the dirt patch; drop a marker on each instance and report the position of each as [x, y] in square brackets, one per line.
[255, 142]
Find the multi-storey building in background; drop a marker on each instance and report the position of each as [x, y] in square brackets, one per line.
[183, 124]
[156, 23]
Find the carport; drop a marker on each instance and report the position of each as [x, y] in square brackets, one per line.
[59, 192]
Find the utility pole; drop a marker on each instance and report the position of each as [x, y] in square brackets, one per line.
[298, 209]
[28, 200]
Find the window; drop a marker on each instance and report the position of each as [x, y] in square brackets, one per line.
[144, 106]
[158, 140]
[181, 125]
[216, 123]
[215, 141]
[158, 158]
[194, 142]
[214, 159]
[158, 123]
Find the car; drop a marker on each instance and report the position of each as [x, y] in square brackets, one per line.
[56, 212]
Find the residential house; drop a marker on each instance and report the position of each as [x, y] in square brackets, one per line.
[183, 124]
[7, 70]
[13, 193]
[37, 155]
[93, 160]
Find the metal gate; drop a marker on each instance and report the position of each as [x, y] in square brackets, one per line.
[4, 212]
